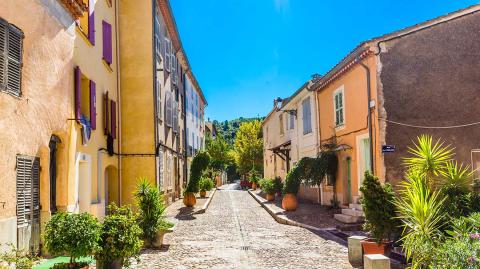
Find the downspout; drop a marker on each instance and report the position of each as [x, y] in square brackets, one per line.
[369, 118]
[155, 95]
[317, 145]
[185, 144]
[119, 122]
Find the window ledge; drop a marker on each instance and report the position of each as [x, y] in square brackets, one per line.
[84, 36]
[107, 66]
[340, 127]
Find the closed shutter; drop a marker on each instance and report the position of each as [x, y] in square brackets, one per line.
[113, 110]
[168, 108]
[168, 50]
[93, 105]
[14, 62]
[91, 21]
[106, 116]
[78, 92]
[107, 42]
[3, 45]
[175, 116]
[159, 100]
[174, 69]
[28, 174]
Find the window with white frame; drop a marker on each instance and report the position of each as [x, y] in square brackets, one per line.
[306, 116]
[338, 103]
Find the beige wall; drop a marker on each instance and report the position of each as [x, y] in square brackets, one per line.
[28, 122]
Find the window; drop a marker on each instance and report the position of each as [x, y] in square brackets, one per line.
[85, 99]
[28, 181]
[159, 100]
[292, 121]
[107, 42]
[87, 22]
[307, 116]
[280, 124]
[338, 102]
[168, 52]
[11, 50]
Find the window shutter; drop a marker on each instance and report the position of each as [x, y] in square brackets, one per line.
[91, 21]
[159, 100]
[168, 48]
[113, 110]
[78, 92]
[174, 69]
[24, 189]
[168, 108]
[14, 62]
[93, 105]
[105, 114]
[175, 116]
[107, 42]
[3, 40]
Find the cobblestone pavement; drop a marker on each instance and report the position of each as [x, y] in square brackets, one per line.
[235, 232]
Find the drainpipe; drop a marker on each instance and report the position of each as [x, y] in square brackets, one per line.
[369, 118]
[155, 94]
[185, 144]
[119, 122]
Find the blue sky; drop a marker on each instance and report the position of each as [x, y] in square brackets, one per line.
[245, 53]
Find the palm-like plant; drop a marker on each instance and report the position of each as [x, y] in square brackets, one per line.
[457, 176]
[420, 211]
[428, 157]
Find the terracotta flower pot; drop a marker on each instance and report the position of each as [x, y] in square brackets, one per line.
[254, 186]
[203, 194]
[270, 197]
[289, 202]
[371, 247]
[189, 199]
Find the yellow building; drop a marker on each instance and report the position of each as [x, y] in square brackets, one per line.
[36, 96]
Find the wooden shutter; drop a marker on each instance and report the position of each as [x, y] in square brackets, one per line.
[168, 49]
[107, 42]
[168, 108]
[174, 69]
[3, 45]
[91, 21]
[106, 116]
[93, 105]
[24, 189]
[175, 116]
[14, 62]
[78, 92]
[113, 110]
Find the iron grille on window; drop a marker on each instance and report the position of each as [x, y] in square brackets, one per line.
[11, 49]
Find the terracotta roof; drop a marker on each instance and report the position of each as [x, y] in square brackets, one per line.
[165, 8]
[369, 46]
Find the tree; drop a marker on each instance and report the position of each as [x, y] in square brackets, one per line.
[249, 147]
[218, 149]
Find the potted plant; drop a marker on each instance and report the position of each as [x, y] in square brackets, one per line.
[119, 238]
[278, 185]
[151, 219]
[268, 187]
[205, 184]
[380, 218]
[76, 235]
[254, 179]
[290, 189]
[199, 163]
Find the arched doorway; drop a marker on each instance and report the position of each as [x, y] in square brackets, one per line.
[112, 186]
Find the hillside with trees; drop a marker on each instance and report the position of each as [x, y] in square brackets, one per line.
[228, 129]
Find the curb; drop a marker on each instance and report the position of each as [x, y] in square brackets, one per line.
[207, 203]
[282, 219]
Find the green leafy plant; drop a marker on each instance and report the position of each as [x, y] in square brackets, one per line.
[17, 258]
[379, 208]
[205, 184]
[75, 235]
[462, 252]
[120, 237]
[254, 176]
[277, 182]
[267, 186]
[151, 204]
[457, 176]
[199, 164]
[292, 181]
[420, 211]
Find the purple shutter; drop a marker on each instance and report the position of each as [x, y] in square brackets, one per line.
[91, 21]
[113, 110]
[105, 114]
[107, 42]
[93, 105]
[78, 92]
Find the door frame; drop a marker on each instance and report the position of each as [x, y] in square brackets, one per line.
[360, 154]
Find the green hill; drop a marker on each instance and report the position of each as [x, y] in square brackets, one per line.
[228, 129]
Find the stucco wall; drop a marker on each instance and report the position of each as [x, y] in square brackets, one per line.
[27, 123]
[432, 78]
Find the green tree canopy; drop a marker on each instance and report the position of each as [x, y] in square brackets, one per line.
[220, 153]
[249, 147]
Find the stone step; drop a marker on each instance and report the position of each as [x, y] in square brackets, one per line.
[352, 212]
[355, 206]
[348, 219]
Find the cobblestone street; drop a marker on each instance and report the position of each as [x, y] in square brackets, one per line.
[236, 232]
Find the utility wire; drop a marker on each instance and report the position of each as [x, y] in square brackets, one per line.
[431, 127]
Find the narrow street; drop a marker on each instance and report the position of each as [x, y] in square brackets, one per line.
[236, 232]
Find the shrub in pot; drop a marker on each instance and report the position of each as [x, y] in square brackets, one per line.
[205, 184]
[268, 187]
[290, 189]
[151, 219]
[199, 164]
[75, 235]
[254, 179]
[380, 217]
[278, 186]
[18, 259]
[119, 239]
